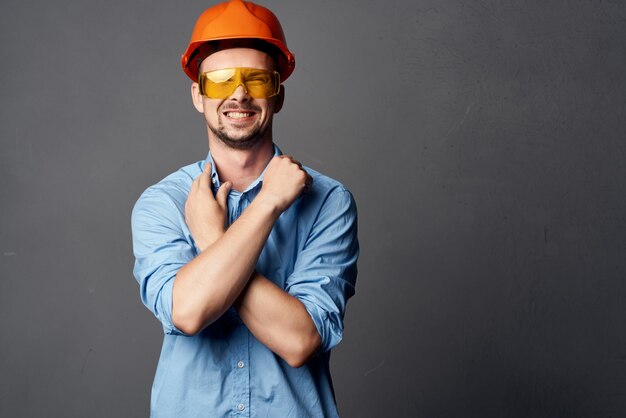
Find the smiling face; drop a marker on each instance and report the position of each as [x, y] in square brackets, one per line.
[238, 121]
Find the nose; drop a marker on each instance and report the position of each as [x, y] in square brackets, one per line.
[240, 94]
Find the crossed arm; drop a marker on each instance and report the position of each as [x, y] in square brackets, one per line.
[223, 273]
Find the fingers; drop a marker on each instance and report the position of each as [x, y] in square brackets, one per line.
[308, 180]
[296, 162]
[308, 183]
[222, 194]
[293, 160]
[205, 177]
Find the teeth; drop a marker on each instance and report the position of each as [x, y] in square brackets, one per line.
[238, 114]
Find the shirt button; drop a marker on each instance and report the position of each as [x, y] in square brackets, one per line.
[241, 407]
[240, 364]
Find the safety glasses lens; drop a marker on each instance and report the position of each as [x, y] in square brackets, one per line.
[257, 83]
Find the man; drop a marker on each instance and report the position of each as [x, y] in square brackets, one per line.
[247, 258]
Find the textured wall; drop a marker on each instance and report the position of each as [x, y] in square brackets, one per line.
[483, 141]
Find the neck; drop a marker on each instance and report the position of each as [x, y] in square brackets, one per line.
[240, 167]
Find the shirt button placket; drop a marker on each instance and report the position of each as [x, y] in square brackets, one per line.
[241, 373]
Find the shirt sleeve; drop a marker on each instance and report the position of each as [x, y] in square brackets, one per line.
[160, 249]
[325, 271]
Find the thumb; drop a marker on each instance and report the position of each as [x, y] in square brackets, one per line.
[222, 194]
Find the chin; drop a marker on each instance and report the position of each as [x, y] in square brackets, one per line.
[243, 143]
[246, 140]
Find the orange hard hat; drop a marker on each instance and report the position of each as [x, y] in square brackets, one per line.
[238, 19]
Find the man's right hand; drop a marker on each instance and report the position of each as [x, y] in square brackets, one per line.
[283, 182]
[206, 215]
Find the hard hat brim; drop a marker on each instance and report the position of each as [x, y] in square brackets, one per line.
[285, 60]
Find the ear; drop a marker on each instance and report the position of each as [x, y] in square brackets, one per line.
[196, 97]
[280, 99]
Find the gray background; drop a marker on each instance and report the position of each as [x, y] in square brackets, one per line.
[483, 141]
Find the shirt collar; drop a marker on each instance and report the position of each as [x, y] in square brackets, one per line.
[215, 179]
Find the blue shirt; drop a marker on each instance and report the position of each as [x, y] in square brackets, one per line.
[224, 371]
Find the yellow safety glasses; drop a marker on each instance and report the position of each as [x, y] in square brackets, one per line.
[257, 83]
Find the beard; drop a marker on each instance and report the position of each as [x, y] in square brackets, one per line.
[244, 138]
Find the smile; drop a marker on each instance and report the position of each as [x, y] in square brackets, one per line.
[238, 115]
